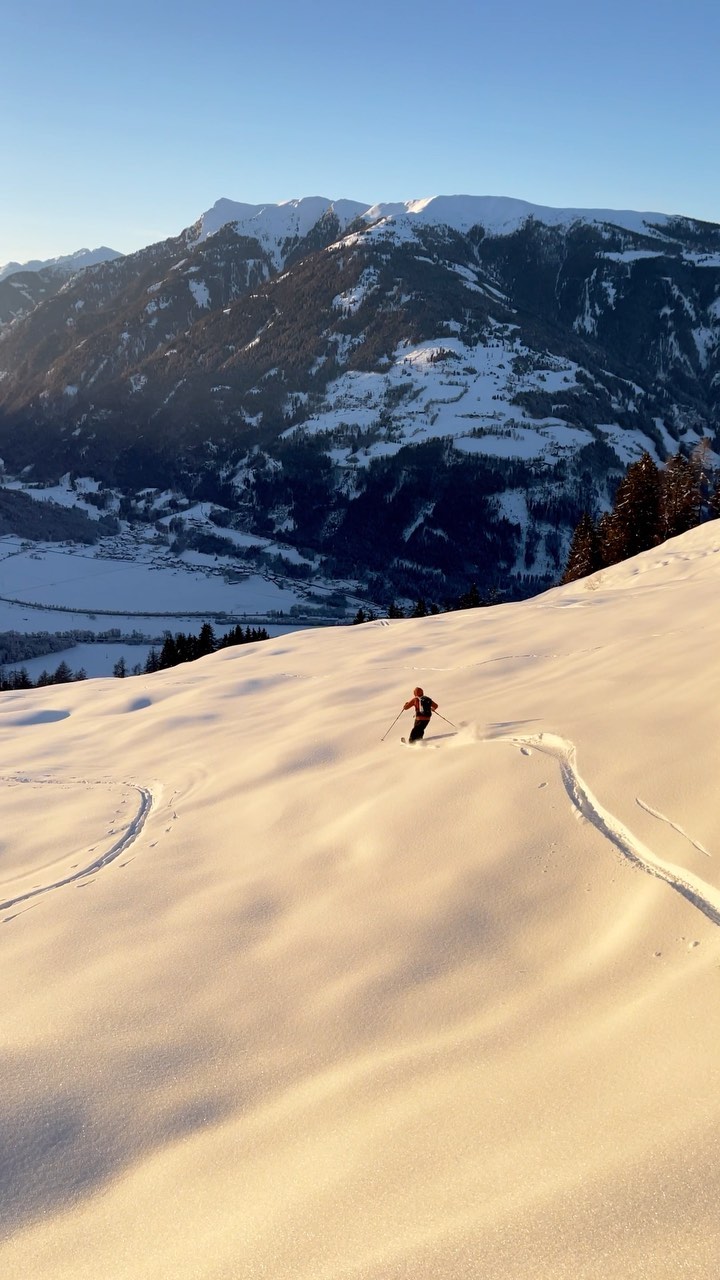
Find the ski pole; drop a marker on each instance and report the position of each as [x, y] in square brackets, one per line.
[437, 713]
[391, 726]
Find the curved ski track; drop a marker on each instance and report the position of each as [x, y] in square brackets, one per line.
[697, 892]
[129, 836]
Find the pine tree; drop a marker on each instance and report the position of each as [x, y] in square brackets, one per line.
[206, 640]
[606, 539]
[168, 653]
[470, 599]
[18, 680]
[681, 496]
[636, 517]
[701, 461]
[186, 647]
[584, 556]
[152, 662]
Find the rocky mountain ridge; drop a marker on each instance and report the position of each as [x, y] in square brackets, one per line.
[24, 285]
[67, 264]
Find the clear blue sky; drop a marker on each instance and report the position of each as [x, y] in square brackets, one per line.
[122, 123]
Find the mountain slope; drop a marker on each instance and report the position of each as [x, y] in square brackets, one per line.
[306, 364]
[353, 1009]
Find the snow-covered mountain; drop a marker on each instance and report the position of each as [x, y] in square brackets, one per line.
[67, 264]
[283, 998]
[419, 394]
[276, 224]
[24, 286]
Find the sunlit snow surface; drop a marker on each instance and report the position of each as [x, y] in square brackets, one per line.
[283, 997]
[499, 215]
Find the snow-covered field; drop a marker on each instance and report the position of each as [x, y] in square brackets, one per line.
[450, 389]
[284, 998]
[77, 581]
[72, 589]
[132, 583]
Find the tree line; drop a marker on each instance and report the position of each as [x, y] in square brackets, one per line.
[470, 599]
[175, 649]
[180, 647]
[63, 674]
[651, 505]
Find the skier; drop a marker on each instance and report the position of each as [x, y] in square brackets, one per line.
[423, 706]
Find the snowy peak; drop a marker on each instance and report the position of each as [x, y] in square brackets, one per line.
[274, 224]
[66, 265]
[501, 215]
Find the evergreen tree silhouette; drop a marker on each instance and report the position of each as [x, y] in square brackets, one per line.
[681, 496]
[168, 654]
[636, 522]
[470, 599]
[650, 506]
[152, 662]
[206, 640]
[584, 556]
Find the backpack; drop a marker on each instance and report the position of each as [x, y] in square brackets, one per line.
[425, 707]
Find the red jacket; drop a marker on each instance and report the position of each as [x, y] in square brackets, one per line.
[415, 702]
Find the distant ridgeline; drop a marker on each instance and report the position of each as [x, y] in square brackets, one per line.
[413, 397]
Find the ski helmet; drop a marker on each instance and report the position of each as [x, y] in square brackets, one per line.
[418, 692]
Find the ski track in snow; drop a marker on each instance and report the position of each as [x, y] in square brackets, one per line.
[661, 817]
[129, 836]
[697, 892]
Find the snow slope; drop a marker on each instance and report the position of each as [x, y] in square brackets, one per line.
[285, 998]
[501, 215]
